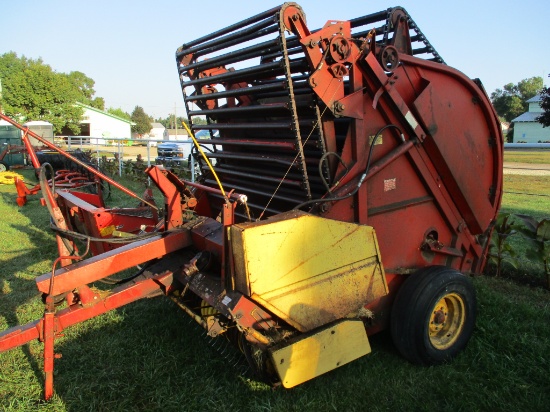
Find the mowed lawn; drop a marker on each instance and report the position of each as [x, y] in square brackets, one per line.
[148, 356]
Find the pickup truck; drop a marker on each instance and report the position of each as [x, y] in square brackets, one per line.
[177, 154]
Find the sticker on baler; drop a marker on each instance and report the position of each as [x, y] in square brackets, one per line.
[411, 120]
[377, 142]
[390, 184]
[107, 230]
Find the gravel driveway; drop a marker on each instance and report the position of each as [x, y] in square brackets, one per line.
[531, 169]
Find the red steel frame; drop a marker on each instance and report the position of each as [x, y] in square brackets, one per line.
[88, 304]
[72, 281]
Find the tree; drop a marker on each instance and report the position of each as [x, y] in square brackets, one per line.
[83, 84]
[98, 103]
[544, 118]
[510, 101]
[142, 121]
[119, 113]
[31, 90]
[168, 122]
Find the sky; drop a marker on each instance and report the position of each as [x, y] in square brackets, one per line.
[127, 47]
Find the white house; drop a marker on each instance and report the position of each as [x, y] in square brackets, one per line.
[158, 131]
[526, 128]
[100, 125]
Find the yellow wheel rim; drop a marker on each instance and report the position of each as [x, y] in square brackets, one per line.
[8, 178]
[447, 321]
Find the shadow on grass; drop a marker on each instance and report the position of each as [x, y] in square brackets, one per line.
[148, 356]
[525, 274]
[145, 356]
[26, 246]
[22, 289]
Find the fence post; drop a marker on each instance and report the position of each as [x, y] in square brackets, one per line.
[97, 151]
[192, 166]
[119, 159]
[148, 161]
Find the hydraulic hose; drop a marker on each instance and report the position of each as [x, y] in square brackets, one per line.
[363, 176]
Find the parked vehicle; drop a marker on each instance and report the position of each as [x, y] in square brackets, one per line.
[178, 154]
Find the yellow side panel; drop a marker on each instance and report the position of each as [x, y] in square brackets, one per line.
[308, 270]
[321, 352]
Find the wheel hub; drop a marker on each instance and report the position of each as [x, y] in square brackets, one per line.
[447, 321]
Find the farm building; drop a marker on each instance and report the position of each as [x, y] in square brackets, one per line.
[99, 125]
[527, 129]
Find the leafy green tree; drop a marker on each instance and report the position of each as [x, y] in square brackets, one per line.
[198, 120]
[544, 118]
[98, 103]
[142, 121]
[32, 90]
[119, 112]
[510, 101]
[83, 84]
[168, 121]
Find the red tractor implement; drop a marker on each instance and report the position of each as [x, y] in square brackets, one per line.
[353, 187]
[60, 178]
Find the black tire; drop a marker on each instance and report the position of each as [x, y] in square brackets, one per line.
[4, 167]
[433, 315]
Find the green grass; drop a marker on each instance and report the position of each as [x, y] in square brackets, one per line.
[148, 356]
[527, 194]
[539, 156]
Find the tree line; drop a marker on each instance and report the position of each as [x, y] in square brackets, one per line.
[32, 90]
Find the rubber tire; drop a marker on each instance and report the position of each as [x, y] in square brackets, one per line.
[4, 167]
[413, 308]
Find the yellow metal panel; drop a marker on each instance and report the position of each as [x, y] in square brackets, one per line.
[308, 270]
[321, 352]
